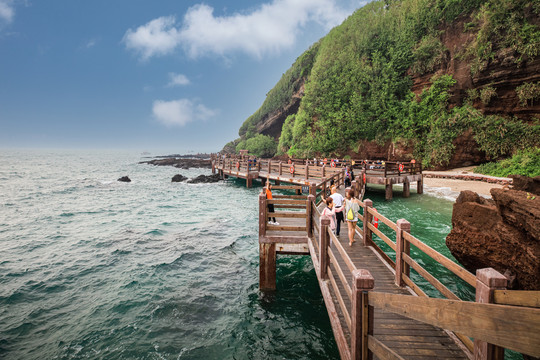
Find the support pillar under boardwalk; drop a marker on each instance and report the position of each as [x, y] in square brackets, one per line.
[267, 266]
[388, 192]
[420, 186]
[406, 189]
[249, 181]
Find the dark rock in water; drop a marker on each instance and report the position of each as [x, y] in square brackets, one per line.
[503, 233]
[178, 178]
[124, 179]
[204, 179]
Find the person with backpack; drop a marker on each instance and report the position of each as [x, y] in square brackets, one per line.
[352, 207]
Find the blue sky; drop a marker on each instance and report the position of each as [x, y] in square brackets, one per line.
[173, 76]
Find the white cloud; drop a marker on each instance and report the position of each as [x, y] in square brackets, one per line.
[158, 37]
[267, 29]
[90, 43]
[180, 112]
[178, 80]
[7, 12]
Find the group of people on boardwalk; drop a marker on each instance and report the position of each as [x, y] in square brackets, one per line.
[340, 209]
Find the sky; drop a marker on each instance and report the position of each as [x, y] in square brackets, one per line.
[178, 76]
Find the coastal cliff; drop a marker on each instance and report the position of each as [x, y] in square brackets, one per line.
[453, 83]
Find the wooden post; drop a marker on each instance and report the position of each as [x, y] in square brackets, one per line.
[324, 241]
[262, 214]
[367, 220]
[361, 314]
[280, 169]
[313, 190]
[488, 280]
[406, 188]
[267, 252]
[323, 171]
[307, 170]
[249, 181]
[269, 166]
[309, 214]
[259, 165]
[363, 177]
[213, 166]
[420, 186]
[267, 266]
[388, 195]
[354, 186]
[402, 247]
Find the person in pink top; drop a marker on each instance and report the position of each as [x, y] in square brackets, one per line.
[330, 212]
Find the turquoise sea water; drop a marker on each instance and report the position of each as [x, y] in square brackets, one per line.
[91, 268]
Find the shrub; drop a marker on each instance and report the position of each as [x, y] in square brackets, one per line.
[260, 145]
[524, 162]
[486, 94]
[528, 92]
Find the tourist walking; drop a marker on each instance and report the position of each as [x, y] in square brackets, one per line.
[331, 211]
[337, 200]
[352, 207]
[268, 190]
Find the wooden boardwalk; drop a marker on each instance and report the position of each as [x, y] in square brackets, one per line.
[375, 309]
[408, 338]
[312, 174]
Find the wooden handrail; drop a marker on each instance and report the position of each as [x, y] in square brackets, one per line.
[443, 260]
[340, 273]
[430, 278]
[339, 298]
[517, 298]
[342, 252]
[511, 327]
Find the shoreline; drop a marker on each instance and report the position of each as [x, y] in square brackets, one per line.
[461, 179]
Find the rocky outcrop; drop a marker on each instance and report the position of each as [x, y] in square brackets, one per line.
[124, 179]
[503, 233]
[180, 163]
[525, 183]
[205, 179]
[178, 178]
[272, 123]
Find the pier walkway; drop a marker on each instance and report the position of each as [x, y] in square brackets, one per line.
[314, 173]
[375, 308]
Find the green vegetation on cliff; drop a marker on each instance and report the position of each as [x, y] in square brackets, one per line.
[358, 81]
[525, 162]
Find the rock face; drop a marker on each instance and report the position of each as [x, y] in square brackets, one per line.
[124, 179]
[503, 233]
[525, 183]
[178, 178]
[204, 179]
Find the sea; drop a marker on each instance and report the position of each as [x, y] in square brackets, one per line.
[94, 268]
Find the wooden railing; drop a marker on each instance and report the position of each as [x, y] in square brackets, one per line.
[488, 283]
[512, 327]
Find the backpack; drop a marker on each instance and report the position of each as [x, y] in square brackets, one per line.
[350, 214]
[353, 209]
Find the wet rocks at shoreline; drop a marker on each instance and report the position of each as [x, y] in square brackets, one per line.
[178, 178]
[205, 179]
[180, 163]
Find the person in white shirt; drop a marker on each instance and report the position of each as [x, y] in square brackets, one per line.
[337, 200]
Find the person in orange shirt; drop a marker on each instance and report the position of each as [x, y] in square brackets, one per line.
[268, 190]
